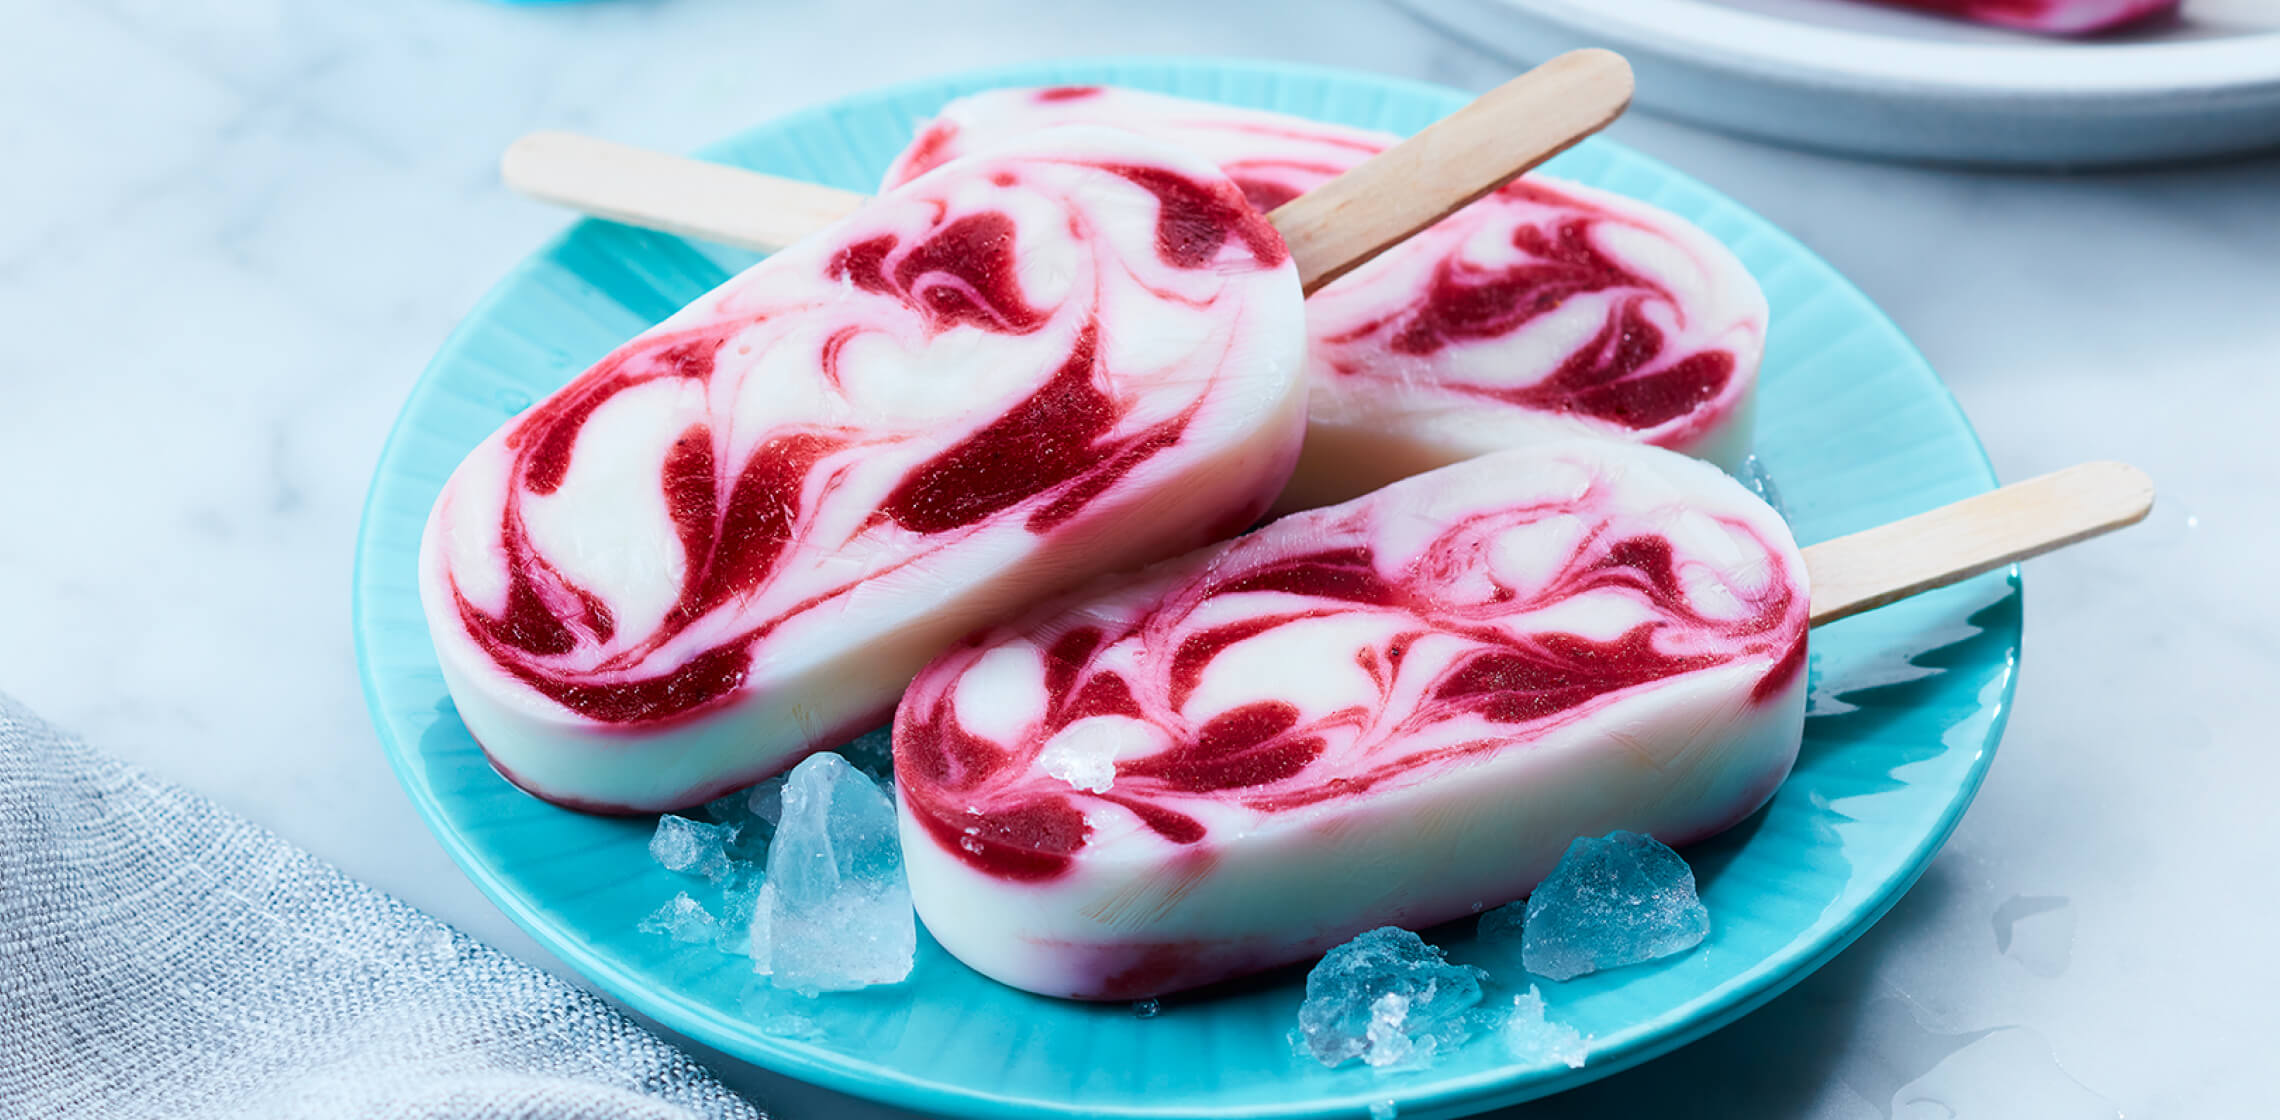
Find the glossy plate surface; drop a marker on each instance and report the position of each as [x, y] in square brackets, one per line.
[1872, 79]
[1909, 701]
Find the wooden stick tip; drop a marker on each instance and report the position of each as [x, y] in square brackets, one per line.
[2133, 488]
[1613, 65]
[526, 148]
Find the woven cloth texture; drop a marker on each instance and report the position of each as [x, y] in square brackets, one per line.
[161, 957]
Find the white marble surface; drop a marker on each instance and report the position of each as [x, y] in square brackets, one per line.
[233, 234]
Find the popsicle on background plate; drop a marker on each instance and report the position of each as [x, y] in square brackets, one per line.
[1398, 710]
[731, 541]
[1545, 310]
[2055, 17]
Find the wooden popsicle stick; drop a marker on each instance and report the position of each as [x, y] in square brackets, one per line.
[1868, 569]
[688, 197]
[1331, 229]
[1342, 224]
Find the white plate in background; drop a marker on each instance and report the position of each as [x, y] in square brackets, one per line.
[1865, 79]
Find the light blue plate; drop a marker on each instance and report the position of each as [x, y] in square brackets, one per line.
[1855, 427]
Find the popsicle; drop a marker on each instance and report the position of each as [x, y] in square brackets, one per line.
[1543, 311]
[1397, 711]
[2055, 17]
[731, 541]
[1546, 310]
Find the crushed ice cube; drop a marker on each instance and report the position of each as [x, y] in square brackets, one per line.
[1386, 1040]
[1533, 1038]
[759, 934]
[728, 809]
[1387, 998]
[690, 847]
[838, 908]
[732, 850]
[1501, 927]
[732, 929]
[1617, 900]
[740, 831]
[748, 818]
[767, 800]
[1084, 755]
[683, 919]
[1754, 475]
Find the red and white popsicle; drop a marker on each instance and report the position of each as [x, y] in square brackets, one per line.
[1393, 711]
[1546, 310]
[732, 540]
[1399, 710]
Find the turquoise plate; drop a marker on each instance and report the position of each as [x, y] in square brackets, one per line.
[1909, 701]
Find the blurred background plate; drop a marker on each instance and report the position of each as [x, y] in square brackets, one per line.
[1908, 703]
[1865, 79]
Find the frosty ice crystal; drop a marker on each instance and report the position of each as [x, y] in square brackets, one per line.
[1387, 998]
[690, 847]
[733, 928]
[1533, 1038]
[1501, 926]
[838, 908]
[1084, 755]
[682, 918]
[732, 852]
[748, 818]
[1617, 900]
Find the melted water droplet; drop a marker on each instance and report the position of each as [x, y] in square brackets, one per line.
[2007, 1071]
[2037, 931]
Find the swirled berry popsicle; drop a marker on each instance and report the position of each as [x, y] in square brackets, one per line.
[1395, 711]
[733, 540]
[2055, 17]
[1545, 310]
